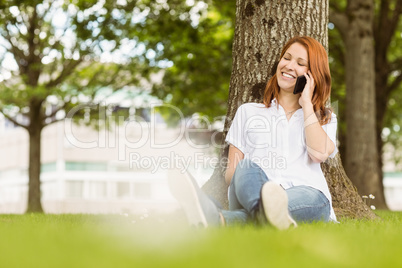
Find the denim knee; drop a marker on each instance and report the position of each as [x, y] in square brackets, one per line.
[246, 166]
[307, 204]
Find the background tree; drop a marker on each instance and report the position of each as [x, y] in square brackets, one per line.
[59, 54]
[262, 28]
[194, 38]
[361, 144]
[374, 26]
[388, 69]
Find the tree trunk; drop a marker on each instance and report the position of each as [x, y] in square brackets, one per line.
[361, 142]
[382, 97]
[385, 28]
[262, 28]
[34, 130]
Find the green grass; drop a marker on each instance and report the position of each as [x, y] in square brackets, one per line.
[36, 240]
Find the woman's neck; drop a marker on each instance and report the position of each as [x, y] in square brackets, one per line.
[289, 101]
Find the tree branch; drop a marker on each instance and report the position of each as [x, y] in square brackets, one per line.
[52, 122]
[334, 5]
[396, 65]
[395, 15]
[68, 66]
[394, 85]
[386, 26]
[13, 120]
[18, 53]
[55, 111]
[47, 11]
[340, 20]
[338, 50]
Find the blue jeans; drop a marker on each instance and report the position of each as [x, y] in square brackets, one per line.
[306, 204]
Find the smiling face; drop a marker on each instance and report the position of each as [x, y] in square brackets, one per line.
[293, 64]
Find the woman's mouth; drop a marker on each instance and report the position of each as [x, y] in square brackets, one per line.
[288, 75]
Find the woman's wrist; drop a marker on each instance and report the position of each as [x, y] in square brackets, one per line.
[309, 115]
[307, 106]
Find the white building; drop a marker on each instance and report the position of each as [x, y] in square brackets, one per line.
[124, 170]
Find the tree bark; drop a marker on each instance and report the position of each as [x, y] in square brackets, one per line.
[34, 130]
[382, 96]
[386, 23]
[262, 28]
[362, 164]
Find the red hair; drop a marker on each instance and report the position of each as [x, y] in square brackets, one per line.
[319, 67]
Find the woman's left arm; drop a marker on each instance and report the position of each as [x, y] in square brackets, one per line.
[319, 145]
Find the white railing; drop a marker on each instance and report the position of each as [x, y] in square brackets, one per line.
[105, 192]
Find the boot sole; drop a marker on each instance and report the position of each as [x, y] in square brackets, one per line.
[183, 189]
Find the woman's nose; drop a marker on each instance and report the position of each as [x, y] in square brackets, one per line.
[291, 65]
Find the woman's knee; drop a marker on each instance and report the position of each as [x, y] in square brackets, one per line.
[247, 169]
[246, 165]
[307, 204]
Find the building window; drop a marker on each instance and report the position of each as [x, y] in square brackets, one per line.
[86, 166]
[48, 167]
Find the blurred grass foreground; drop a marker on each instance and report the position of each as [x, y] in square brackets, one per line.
[66, 240]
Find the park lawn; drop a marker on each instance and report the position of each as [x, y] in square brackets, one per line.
[43, 240]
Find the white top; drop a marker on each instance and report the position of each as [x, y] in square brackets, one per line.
[278, 146]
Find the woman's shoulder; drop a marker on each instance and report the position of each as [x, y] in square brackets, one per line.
[252, 105]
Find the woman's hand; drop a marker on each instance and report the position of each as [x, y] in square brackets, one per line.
[307, 94]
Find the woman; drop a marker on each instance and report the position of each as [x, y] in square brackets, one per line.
[275, 149]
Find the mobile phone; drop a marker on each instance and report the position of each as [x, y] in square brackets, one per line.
[300, 84]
